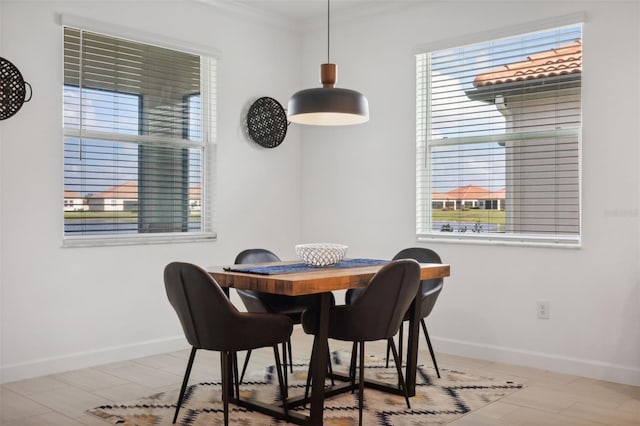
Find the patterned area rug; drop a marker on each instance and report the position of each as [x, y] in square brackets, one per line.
[437, 401]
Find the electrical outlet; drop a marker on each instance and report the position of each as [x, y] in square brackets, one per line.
[543, 308]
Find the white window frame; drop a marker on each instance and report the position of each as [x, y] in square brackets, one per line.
[208, 86]
[424, 145]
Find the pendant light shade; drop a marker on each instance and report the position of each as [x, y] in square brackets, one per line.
[328, 105]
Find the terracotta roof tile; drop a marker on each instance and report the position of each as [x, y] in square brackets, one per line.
[195, 192]
[128, 190]
[435, 195]
[562, 60]
[499, 194]
[71, 194]
[469, 192]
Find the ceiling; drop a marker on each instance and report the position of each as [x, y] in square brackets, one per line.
[303, 13]
[302, 10]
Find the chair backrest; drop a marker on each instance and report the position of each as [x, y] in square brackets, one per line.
[252, 300]
[381, 306]
[256, 256]
[420, 254]
[430, 289]
[205, 312]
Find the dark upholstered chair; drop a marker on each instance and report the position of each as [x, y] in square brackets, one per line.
[430, 290]
[254, 301]
[211, 322]
[375, 315]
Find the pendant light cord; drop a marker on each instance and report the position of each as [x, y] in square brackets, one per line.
[328, 29]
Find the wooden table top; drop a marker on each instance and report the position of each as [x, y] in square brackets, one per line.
[311, 282]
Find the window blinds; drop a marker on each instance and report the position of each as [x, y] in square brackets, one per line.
[137, 125]
[498, 139]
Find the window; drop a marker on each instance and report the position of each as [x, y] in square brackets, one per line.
[138, 128]
[498, 139]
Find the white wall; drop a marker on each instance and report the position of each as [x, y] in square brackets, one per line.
[359, 190]
[65, 308]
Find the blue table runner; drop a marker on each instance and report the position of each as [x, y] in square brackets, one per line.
[303, 267]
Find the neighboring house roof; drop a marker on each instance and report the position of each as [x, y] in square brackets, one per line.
[499, 194]
[561, 65]
[435, 195]
[128, 190]
[195, 192]
[71, 194]
[469, 192]
[562, 60]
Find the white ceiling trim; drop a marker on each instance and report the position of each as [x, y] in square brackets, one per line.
[248, 11]
[272, 12]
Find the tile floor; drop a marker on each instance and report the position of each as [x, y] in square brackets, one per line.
[548, 398]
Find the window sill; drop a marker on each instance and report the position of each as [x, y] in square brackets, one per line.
[494, 240]
[106, 241]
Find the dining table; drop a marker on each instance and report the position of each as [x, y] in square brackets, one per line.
[293, 278]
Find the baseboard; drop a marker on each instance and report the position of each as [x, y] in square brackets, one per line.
[559, 364]
[566, 365]
[46, 366]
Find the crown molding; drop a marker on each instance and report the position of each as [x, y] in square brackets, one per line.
[359, 10]
[253, 13]
[355, 11]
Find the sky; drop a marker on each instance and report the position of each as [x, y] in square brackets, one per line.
[455, 116]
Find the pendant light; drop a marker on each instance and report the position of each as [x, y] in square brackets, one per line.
[328, 105]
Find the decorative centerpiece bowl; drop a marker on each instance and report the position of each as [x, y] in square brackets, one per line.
[321, 254]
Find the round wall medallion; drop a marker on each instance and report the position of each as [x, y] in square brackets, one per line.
[267, 122]
[13, 89]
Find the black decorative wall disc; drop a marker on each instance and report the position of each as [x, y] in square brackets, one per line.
[267, 122]
[13, 89]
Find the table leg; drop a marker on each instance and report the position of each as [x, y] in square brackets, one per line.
[412, 348]
[320, 350]
[228, 368]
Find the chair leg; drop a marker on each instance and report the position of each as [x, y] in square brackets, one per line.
[244, 366]
[400, 339]
[290, 356]
[284, 363]
[329, 367]
[352, 366]
[433, 356]
[184, 382]
[398, 361]
[281, 383]
[225, 359]
[388, 352]
[235, 374]
[361, 384]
